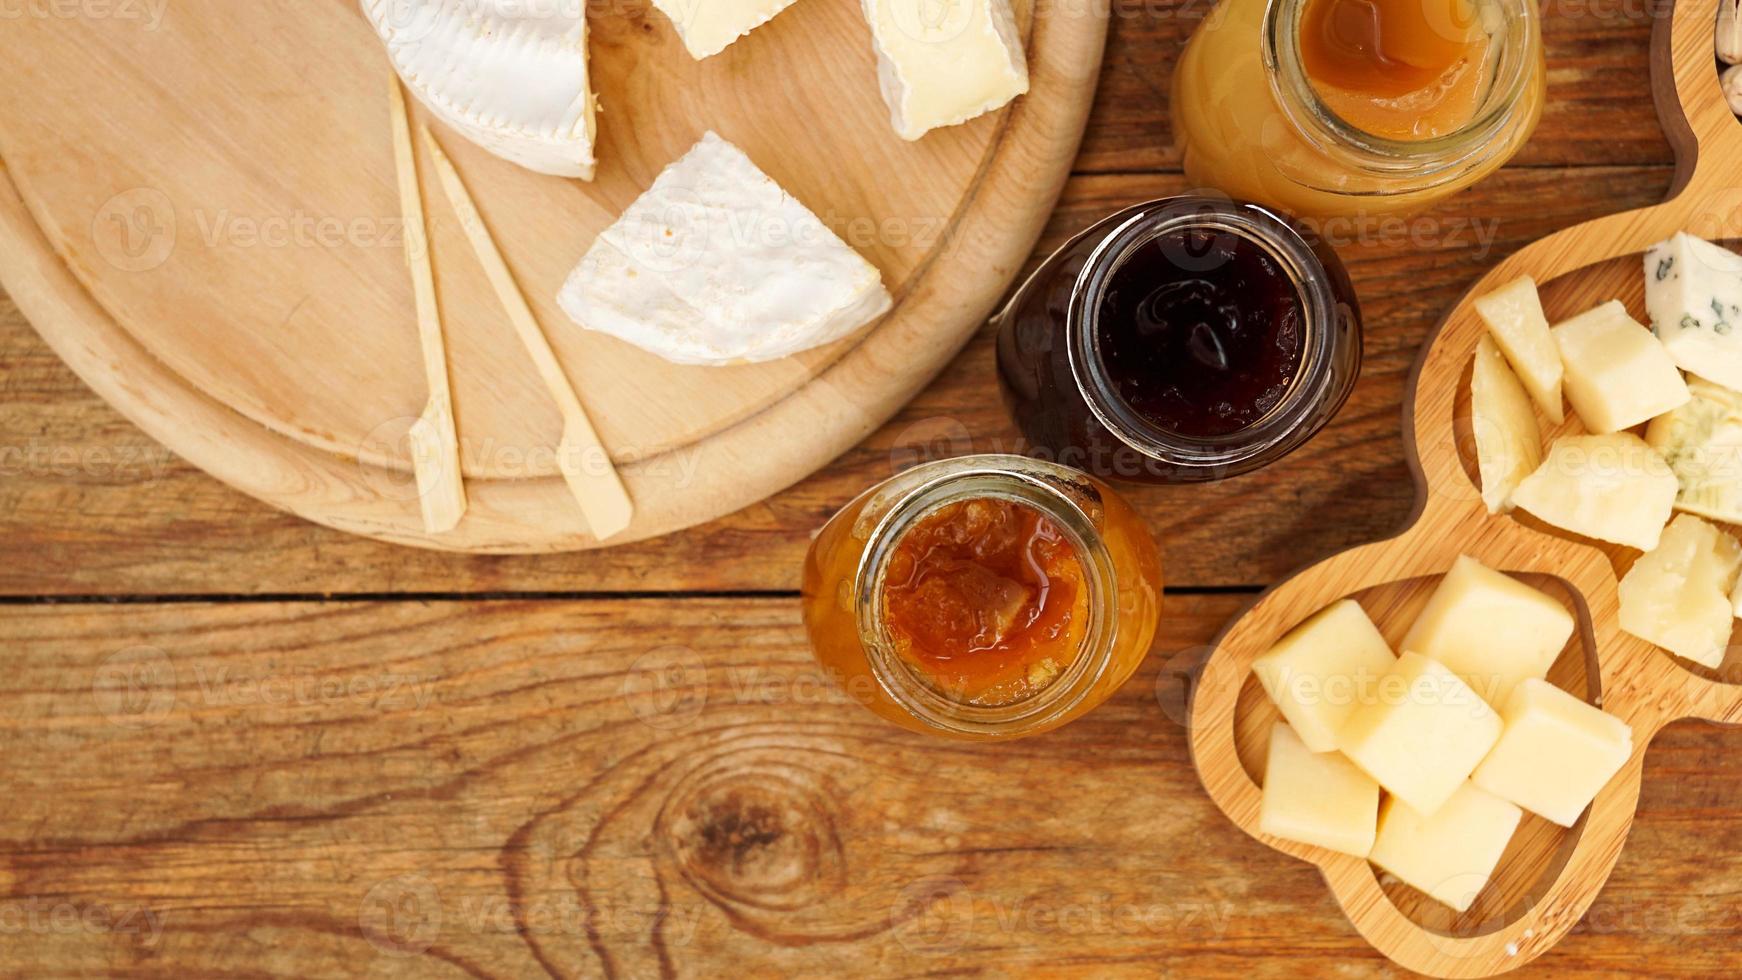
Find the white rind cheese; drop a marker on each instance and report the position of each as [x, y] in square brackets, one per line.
[507, 75]
[942, 64]
[716, 264]
[708, 27]
[1693, 292]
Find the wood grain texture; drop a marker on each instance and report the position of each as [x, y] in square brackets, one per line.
[440, 789]
[1542, 894]
[226, 270]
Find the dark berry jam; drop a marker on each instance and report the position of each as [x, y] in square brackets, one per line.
[1200, 332]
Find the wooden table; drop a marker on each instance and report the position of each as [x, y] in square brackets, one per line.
[238, 744]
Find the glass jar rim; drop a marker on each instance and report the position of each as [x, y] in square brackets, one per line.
[1329, 132]
[1021, 480]
[1315, 379]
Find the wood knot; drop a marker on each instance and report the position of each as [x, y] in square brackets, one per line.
[760, 834]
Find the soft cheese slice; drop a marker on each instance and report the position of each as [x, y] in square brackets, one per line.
[1514, 317]
[708, 27]
[1323, 670]
[1508, 438]
[940, 64]
[1702, 442]
[1612, 488]
[1492, 630]
[1679, 595]
[1451, 854]
[1617, 374]
[1556, 754]
[1693, 292]
[716, 264]
[1317, 798]
[507, 75]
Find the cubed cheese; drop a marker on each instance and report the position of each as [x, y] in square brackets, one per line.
[1317, 798]
[1514, 317]
[1679, 595]
[1326, 668]
[1556, 753]
[1702, 442]
[1451, 854]
[1426, 734]
[1508, 439]
[1492, 630]
[1618, 375]
[1693, 293]
[1612, 488]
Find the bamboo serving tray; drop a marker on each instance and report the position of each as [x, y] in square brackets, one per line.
[199, 213]
[1549, 876]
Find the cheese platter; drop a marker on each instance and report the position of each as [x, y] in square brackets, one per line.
[201, 214]
[1523, 505]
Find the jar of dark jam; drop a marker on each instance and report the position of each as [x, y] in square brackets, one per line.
[1179, 341]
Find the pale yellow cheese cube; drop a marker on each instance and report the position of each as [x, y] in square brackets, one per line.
[1557, 752]
[1515, 319]
[1451, 854]
[1617, 374]
[1426, 734]
[1492, 630]
[1612, 488]
[1679, 596]
[1321, 672]
[1508, 438]
[1317, 798]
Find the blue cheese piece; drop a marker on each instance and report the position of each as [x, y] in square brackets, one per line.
[1693, 292]
[716, 264]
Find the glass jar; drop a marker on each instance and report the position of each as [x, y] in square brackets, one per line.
[1249, 121]
[1072, 409]
[855, 633]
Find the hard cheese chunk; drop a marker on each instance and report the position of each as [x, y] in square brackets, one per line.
[1508, 439]
[1612, 488]
[1557, 752]
[1451, 854]
[1679, 595]
[943, 64]
[1702, 442]
[1693, 293]
[1425, 736]
[1618, 375]
[715, 264]
[1317, 798]
[1492, 630]
[708, 27]
[1320, 673]
[1515, 319]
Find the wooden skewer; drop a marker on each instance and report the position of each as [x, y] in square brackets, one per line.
[435, 440]
[581, 456]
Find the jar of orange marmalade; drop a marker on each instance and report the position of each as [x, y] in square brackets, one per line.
[986, 597]
[1354, 108]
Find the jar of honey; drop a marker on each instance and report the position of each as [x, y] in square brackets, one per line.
[1179, 341]
[986, 597]
[1355, 108]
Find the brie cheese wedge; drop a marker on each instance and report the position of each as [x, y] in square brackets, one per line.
[507, 75]
[716, 264]
[708, 27]
[943, 62]
[1693, 291]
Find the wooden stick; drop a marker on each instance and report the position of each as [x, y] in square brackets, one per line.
[435, 440]
[584, 462]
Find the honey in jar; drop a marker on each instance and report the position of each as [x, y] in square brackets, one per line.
[986, 597]
[1401, 69]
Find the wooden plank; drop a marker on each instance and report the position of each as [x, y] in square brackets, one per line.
[638, 787]
[89, 505]
[1599, 109]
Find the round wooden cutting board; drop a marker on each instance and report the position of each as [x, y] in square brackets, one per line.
[199, 213]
